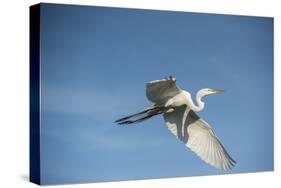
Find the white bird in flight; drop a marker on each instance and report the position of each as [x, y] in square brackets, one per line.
[178, 110]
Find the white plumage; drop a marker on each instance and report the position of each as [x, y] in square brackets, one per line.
[197, 135]
[178, 110]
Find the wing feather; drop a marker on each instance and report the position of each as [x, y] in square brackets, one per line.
[199, 137]
[159, 90]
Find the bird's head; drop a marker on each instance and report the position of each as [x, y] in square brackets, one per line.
[208, 91]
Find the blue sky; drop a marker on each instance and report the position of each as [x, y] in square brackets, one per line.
[95, 64]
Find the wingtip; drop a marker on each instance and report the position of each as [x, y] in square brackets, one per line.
[170, 78]
[163, 79]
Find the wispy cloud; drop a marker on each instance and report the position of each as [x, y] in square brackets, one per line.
[98, 103]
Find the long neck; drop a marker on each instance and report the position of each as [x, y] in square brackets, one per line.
[200, 104]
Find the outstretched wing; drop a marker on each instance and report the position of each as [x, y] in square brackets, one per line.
[197, 135]
[158, 90]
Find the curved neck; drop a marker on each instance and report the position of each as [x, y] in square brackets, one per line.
[200, 104]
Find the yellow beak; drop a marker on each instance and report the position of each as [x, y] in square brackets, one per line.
[217, 90]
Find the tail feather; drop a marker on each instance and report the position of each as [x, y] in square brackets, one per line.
[141, 116]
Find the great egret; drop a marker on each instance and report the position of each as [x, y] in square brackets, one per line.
[178, 110]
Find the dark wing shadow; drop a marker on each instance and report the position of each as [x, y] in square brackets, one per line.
[175, 119]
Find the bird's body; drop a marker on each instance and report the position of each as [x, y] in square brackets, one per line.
[178, 110]
[178, 100]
